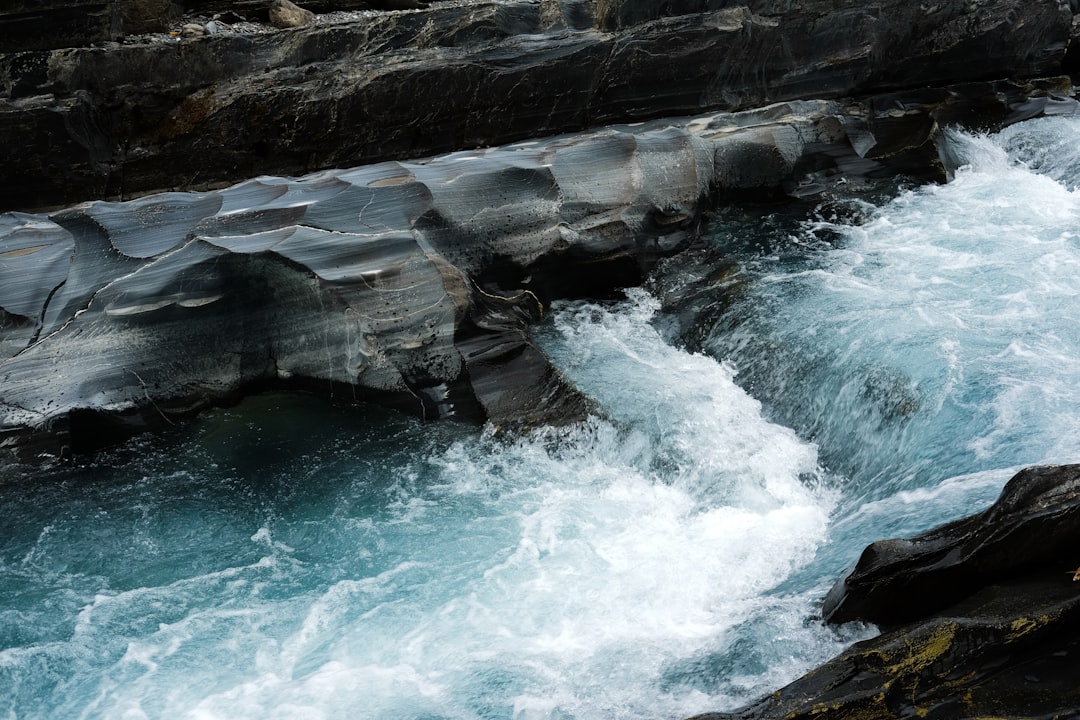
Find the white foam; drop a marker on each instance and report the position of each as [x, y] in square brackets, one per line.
[555, 575]
[658, 561]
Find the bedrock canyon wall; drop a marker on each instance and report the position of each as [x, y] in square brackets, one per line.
[415, 281]
[116, 111]
[385, 274]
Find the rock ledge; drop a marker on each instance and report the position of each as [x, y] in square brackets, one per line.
[989, 618]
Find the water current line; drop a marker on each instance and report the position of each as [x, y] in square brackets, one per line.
[283, 559]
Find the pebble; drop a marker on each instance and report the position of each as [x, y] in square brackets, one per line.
[192, 30]
[284, 14]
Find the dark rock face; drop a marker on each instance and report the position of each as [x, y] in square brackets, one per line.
[1034, 526]
[52, 24]
[991, 617]
[49, 24]
[160, 114]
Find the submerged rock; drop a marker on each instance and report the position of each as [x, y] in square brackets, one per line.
[984, 618]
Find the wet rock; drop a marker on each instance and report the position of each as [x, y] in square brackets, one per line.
[284, 14]
[410, 282]
[83, 123]
[989, 618]
[1034, 526]
[1010, 650]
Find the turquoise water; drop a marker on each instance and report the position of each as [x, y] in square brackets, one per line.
[864, 367]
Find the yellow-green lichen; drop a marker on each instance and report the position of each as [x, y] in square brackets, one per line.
[848, 711]
[923, 652]
[1020, 627]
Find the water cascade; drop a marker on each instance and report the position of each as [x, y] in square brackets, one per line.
[880, 362]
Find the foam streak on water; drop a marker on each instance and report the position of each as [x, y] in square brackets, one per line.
[582, 572]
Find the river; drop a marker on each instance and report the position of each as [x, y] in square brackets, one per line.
[811, 378]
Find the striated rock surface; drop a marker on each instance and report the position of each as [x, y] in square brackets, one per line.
[410, 282]
[159, 113]
[407, 281]
[989, 612]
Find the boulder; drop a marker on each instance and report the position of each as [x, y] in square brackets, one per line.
[1034, 527]
[983, 614]
[284, 14]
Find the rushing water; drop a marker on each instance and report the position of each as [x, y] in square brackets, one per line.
[867, 368]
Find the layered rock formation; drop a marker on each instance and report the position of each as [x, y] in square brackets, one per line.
[161, 113]
[410, 282]
[982, 616]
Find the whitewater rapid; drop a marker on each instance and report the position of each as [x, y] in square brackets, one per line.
[883, 362]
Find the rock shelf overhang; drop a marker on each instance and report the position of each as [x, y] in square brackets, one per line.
[410, 282]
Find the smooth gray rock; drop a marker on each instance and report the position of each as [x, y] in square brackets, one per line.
[409, 282]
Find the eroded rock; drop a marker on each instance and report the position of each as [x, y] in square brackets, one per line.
[409, 282]
[90, 123]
